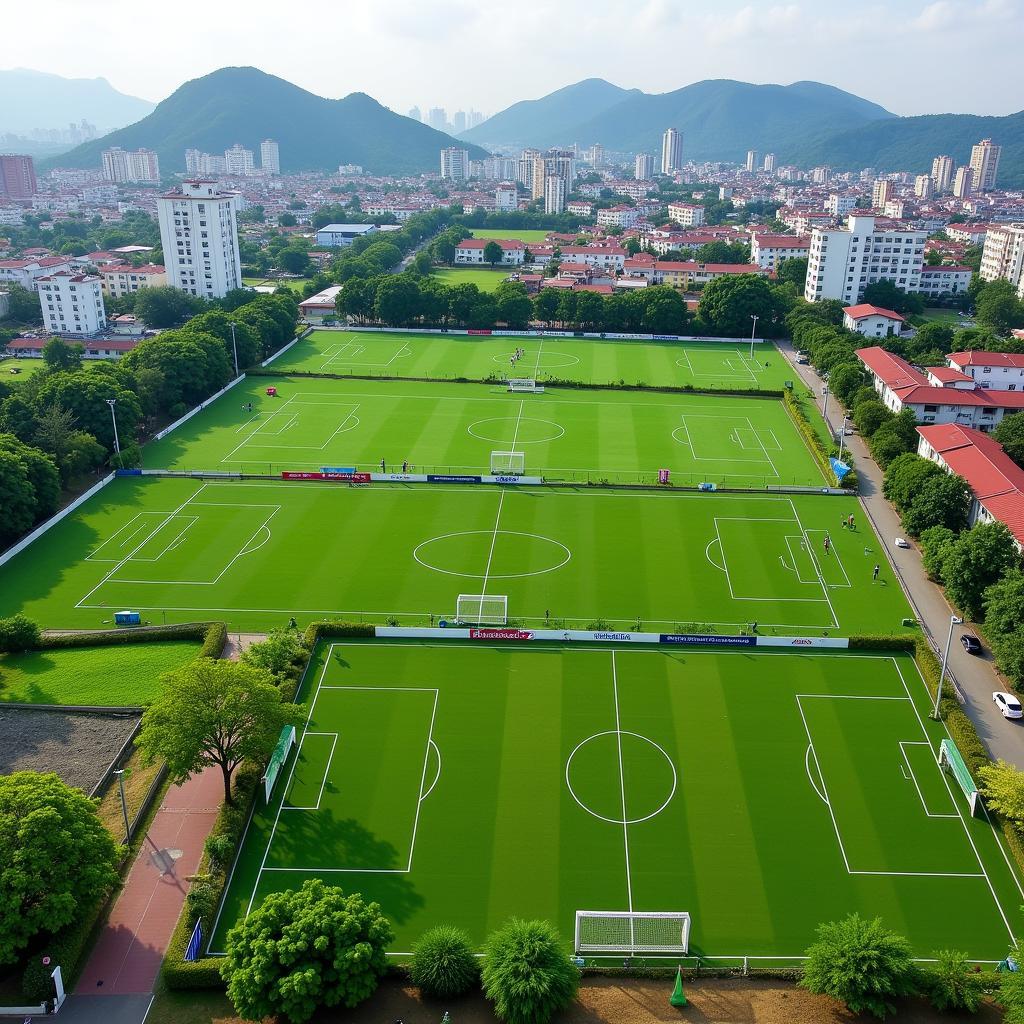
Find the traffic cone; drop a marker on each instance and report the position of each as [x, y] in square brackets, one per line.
[678, 997]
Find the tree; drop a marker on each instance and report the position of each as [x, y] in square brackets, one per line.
[287, 220]
[869, 416]
[664, 309]
[952, 983]
[85, 396]
[527, 972]
[23, 305]
[62, 355]
[728, 303]
[943, 500]
[41, 471]
[493, 252]
[443, 963]
[1011, 988]
[896, 435]
[214, 712]
[888, 295]
[514, 305]
[998, 308]
[166, 307]
[397, 300]
[1010, 434]
[303, 949]
[294, 259]
[192, 364]
[247, 341]
[904, 475]
[58, 858]
[974, 561]
[861, 963]
[545, 305]
[282, 649]
[18, 633]
[1002, 785]
[935, 544]
[1003, 604]
[17, 498]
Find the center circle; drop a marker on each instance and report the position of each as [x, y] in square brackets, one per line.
[549, 360]
[621, 777]
[507, 554]
[517, 429]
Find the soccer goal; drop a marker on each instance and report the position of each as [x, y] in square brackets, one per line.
[285, 742]
[951, 760]
[632, 932]
[482, 609]
[525, 385]
[508, 463]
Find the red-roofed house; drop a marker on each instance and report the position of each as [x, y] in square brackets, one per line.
[27, 272]
[122, 278]
[769, 251]
[872, 321]
[471, 251]
[996, 481]
[681, 274]
[1001, 371]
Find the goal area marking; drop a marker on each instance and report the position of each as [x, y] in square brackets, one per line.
[632, 932]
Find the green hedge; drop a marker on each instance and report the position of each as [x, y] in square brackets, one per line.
[212, 634]
[819, 449]
[326, 628]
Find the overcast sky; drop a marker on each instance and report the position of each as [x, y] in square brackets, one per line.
[912, 56]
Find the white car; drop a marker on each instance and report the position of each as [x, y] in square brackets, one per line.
[902, 542]
[1009, 706]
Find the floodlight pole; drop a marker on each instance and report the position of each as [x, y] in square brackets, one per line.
[953, 621]
[755, 318]
[234, 346]
[824, 407]
[842, 437]
[124, 806]
[113, 415]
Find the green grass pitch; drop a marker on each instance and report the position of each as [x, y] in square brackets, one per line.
[761, 793]
[565, 434]
[699, 364]
[125, 675]
[485, 280]
[524, 235]
[258, 552]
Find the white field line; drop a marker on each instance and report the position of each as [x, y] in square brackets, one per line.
[912, 777]
[245, 440]
[622, 788]
[327, 771]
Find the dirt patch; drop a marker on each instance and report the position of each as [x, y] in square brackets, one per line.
[77, 746]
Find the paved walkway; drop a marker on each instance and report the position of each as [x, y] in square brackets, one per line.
[126, 959]
[975, 676]
[236, 643]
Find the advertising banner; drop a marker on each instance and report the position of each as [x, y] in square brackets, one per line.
[706, 639]
[349, 478]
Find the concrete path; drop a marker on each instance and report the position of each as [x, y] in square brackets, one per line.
[126, 959]
[976, 677]
[236, 643]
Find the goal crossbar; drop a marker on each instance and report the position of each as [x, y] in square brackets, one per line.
[482, 609]
[508, 463]
[951, 759]
[632, 932]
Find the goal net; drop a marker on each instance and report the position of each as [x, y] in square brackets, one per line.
[632, 932]
[525, 384]
[482, 609]
[952, 761]
[277, 759]
[508, 463]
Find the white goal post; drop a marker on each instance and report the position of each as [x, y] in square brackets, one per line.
[525, 385]
[508, 463]
[482, 609]
[632, 932]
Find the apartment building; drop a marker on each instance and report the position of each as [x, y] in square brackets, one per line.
[686, 274]
[130, 166]
[72, 303]
[992, 371]
[470, 251]
[643, 167]
[123, 279]
[985, 165]
[942, 173]
[1003, 255]
[28, 272]
[239, 162]
[688, 215]
[619, 217]
[270, 157]
[963, 182]
[942, 280]
[454, 164]
[768, 251]
[872, 321]
[17, 176]
[843, 261]
[199, 235]
[554, 194]
[671, 151]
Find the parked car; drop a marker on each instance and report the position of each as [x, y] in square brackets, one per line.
[901, 542]
[972, 645]
[1009, 706]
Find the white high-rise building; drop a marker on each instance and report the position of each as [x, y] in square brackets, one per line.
[270, 157]
[923, 186]
[199, 236]
[459, 121]
[821, 175]
[437, 118]
[843, 261]
[768, 166]
[1003, 255]
[130, 165]
[238, 161]
[505, 198]
[455, 163]
[414, 113]
[963, 182]
[751, 164]
[942, 173]
[643, 167]
[554, 194]
[985, 164]
[671, 151]
[72, 303]
[880, 193]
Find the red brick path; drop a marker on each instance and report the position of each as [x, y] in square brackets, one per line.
[128, 954]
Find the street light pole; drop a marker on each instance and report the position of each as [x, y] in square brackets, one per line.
[842, 437]
[755, 318]
[824, 408]
[234, 346]
[124, 806]
[113, 416]
[953, 621]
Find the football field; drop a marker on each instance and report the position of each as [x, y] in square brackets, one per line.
[760, 793]
[721, 365]
[258, 552]
[565, 434]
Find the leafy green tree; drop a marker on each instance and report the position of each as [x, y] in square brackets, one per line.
[443, 964]
[493, 252]
[19, 633]
[845, 380]
[998, 308]
[303, 949]
[62, 355]
[943, 500]
[904, 475]
[869, 416]
[422, 263]
[23, 305]
[527, 972]
[287, 220]
[952, 983]
[514, 305]
[545, 305]
[397, 300]
[192, 364]
[1003, 604]
[214, 712]
[42, 474]
[976, 560]
[722, 252]
[889, 295]
[280, 652]
[935, 544]
[294, 259]
[728, 303]
[1002, 785]
[58, 859]
[861, 963]
[17, 498]
[590, 310]
[665, 310]
[85, 395]
[1011, 988]
[166, 307]
[1010, 434]
[895, 436]
[218, 323]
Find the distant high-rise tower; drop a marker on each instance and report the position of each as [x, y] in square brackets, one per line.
[751, 160]
[455, 163]
[922, 186]
[17, 176]
[942, 173]
[963, 182]
[671, 151]
[769, 163]
[459, 121]
[437, 118]
[554, 194]
[238, 161]
[985, 164]
[130, 166]
[643, 167]
[880, 193]
[475, 118]
[415, 114]
[270, 157]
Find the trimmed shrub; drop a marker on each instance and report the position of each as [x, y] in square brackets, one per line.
[443, 963]
[19, 633]
[951, 983]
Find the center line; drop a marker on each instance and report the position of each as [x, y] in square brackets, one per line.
[515, 435]
[622, 790]
[536, 368]
[490, 554]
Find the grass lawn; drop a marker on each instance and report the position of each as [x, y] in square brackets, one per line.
[761, 793]
[485, 280]
[13, 369]
[109, 676]
[565, 434]
[699, 364]
[258, 552]
[295, 284]
[524, 235]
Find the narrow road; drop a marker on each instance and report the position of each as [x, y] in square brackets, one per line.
[975, 676]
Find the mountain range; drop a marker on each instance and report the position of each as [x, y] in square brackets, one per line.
[805, 123]
[247, 105]
[35, 99]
